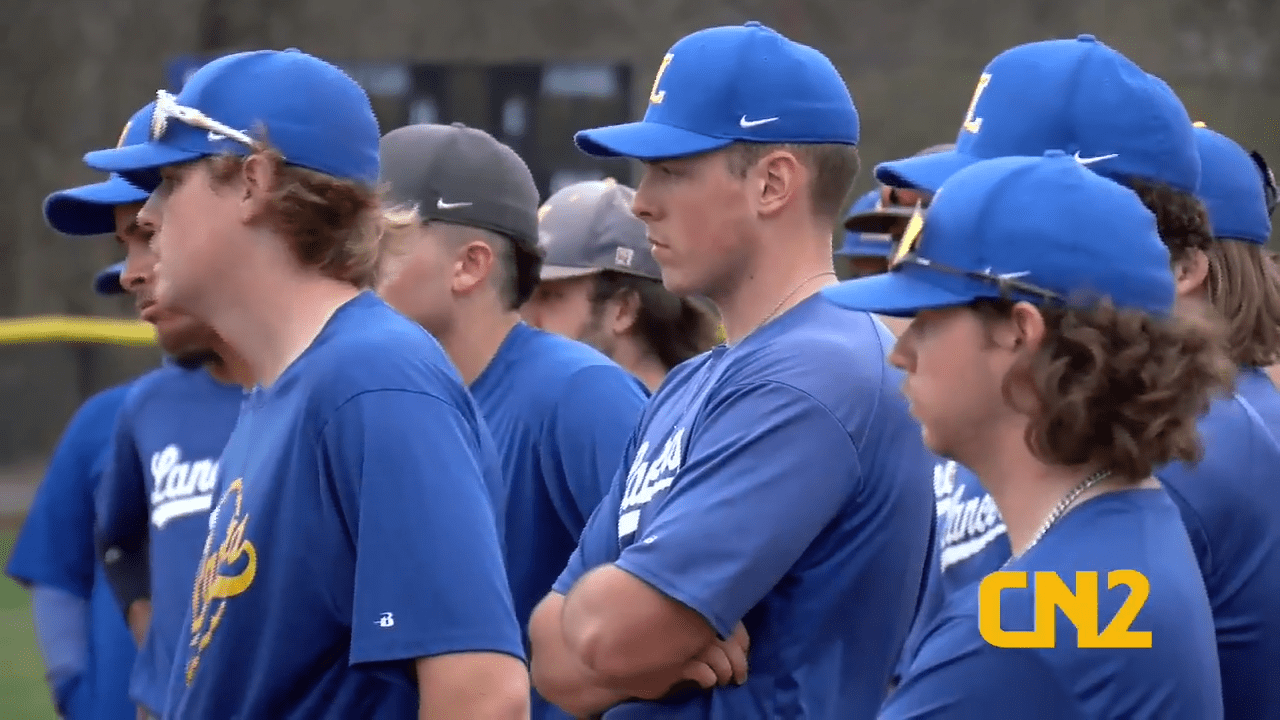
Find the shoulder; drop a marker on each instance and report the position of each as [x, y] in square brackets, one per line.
[373, 349]
[567, 369]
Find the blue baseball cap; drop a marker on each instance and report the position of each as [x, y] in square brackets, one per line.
[1041, 229]
[107, 281]
[314, 114]
[1079, 96]
[1233, 188]
[865, 244]
[728, 84]
[90, 209]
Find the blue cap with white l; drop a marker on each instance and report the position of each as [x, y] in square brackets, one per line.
[1041, 229]
[1079, 96]
[90, 209]
[107, 281]
[313, 113]
[729, 84]
[865, 244]
[1233, 188]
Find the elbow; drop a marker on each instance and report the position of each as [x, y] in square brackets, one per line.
[601, 650]
[508, 701]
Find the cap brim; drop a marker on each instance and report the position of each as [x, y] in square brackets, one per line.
[562, 272]
[895, 294]
[645, 141]
[863, 248]
[924, 172]
[107, 281]
[90, 209]
[879, 222]
[138, 163]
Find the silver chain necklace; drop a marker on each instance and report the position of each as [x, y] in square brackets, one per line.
[787, 297]
[1061, 509]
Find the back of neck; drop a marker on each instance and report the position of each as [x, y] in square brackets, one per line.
[474, 338]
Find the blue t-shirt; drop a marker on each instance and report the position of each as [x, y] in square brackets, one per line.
[156, 495]
[1255, 388]
[1231, 509]
[561, 414]
[781, 483]
[957, 675]
[355, 531]
[55, 548]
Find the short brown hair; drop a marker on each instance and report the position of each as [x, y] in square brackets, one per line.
[1116, 387]
[1244, 287]
[1181, 219]
[334, 226]
[834, 166]
[675, 329]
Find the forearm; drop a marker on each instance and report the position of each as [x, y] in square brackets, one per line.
[61, 627]
[138, 617]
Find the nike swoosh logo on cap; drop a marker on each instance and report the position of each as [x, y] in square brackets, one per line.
[1089, 161]
[744, 122]
[442, 205]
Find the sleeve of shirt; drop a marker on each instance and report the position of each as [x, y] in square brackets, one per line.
[55, 545]
[763, 474]
[429, 574]
[598, 543]
[123, 517]
[593, 422]
[979, 683]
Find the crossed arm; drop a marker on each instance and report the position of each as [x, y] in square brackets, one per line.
[616, 638]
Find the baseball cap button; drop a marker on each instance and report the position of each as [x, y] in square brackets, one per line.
[752, 23]
[1054, 153]
[1086, 38]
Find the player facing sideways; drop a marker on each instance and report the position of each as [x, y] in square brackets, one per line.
[1129, 126]
[601, 285]
[353, 565]
[156, 489]
[1240, 280]
[465, 258]
[775, 506]
[1043, 354]
[81, 635]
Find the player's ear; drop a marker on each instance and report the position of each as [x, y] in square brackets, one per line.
[777, 179]
[1191, 272]
[1026, 327]
[624, 308]
[257, 179]
[474, 265]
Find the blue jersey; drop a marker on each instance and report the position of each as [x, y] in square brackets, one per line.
[561, 414]
[957, 675]
[781, 483]
[55, 548]
[355, 531]
[156, 494]
[1231, 510]
[1230, 504]
[1255, 388]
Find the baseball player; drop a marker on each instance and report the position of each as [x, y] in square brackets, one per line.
[1022, 265]
[601, 285]
[466, 258]
[775, 505]
[154, 498]
[1128, 126]
[353, 565]
[1241, 282]
[81, 633]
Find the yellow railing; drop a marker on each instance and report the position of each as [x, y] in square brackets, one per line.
[64, 328]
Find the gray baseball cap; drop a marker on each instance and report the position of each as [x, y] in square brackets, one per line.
[462, 175]
[588, 227]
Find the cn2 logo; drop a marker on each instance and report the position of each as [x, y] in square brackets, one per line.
[1079, 606]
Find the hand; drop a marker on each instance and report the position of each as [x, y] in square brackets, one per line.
[722, 662]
